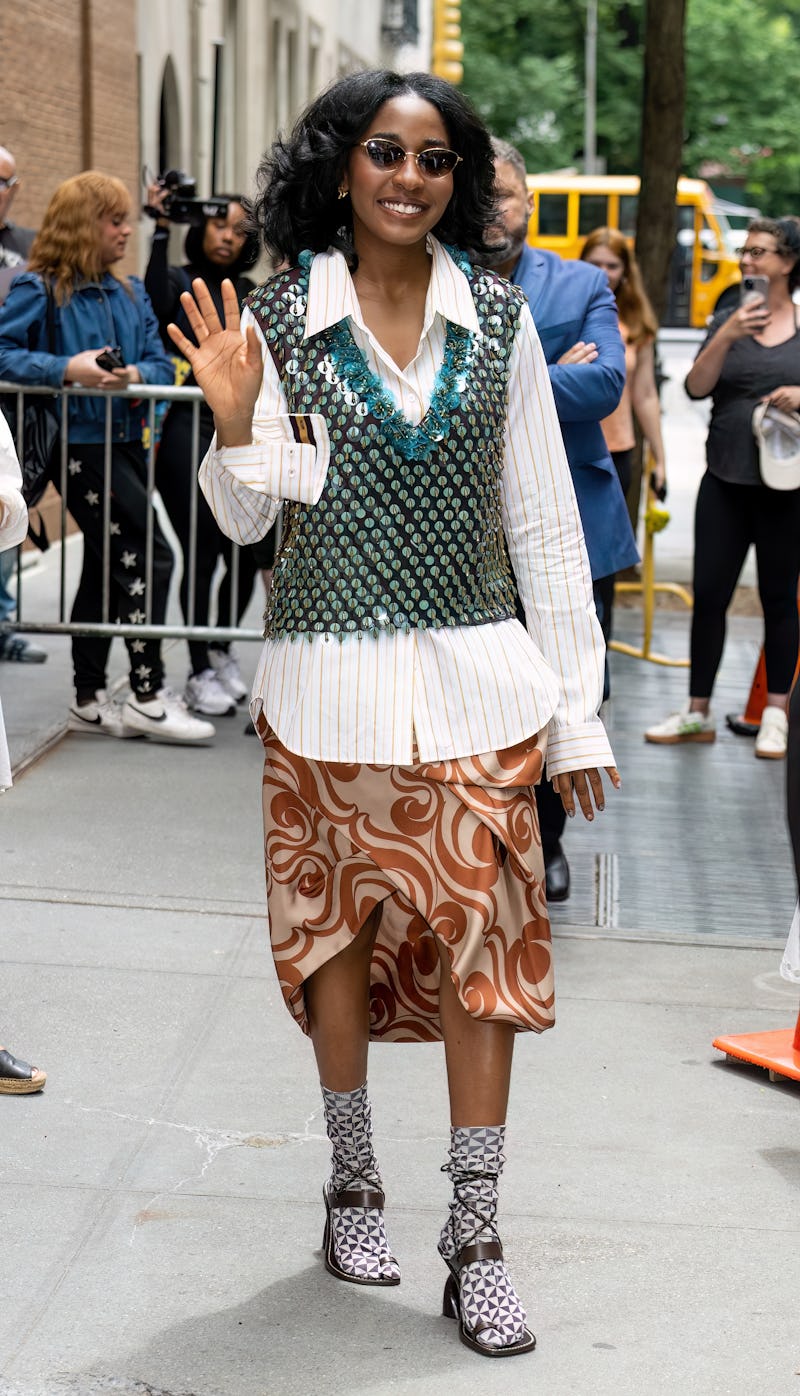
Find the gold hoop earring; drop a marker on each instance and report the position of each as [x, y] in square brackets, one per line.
[343, 193]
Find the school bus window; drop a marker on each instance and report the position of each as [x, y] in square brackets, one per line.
[552, 211]
[685, 221]
[593, 213]
[708, 238]
[628, 208]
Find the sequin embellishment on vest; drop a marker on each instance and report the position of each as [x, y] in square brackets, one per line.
[394, 542]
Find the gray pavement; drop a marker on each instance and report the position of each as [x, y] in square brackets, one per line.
[160, 1211]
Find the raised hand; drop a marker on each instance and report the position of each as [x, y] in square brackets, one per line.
[226, 366]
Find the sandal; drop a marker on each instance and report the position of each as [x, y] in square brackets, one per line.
[368, 1198]
[451, 1303]
[18, 1077]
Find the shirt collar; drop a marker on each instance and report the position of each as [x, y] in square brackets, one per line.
[332, 296]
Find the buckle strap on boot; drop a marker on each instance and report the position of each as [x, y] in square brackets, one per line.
[357, 1197]
[478, 1250]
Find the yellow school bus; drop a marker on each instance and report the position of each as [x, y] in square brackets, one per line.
[704, 274]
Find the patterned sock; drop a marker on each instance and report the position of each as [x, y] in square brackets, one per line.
[359, 1233]
[490, 1307]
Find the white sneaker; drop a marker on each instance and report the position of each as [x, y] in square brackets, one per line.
[226, 667]
[684, 726]
[165, 718]
[204, 693]
[100, 718]
[772, 734]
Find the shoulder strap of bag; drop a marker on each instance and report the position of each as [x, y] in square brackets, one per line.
[34, 331]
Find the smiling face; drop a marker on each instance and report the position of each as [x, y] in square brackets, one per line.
[398, 207]
[761, 255]
[115, 229]
[223, 239]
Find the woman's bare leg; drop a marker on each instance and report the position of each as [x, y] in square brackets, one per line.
[478, 1057]
[337, 1004]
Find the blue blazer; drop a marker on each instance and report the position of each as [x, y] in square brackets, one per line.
[571, 301]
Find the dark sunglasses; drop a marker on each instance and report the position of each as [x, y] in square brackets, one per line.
[433, 163]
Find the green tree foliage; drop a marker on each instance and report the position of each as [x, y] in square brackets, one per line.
[523, 68]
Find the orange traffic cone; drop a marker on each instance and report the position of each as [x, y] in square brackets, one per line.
[777, 1052]
[746, 724]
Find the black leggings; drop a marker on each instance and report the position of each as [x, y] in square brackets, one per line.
[176, 479]
[728, 518]
[130, 508]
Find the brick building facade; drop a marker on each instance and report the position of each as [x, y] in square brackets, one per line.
[69, 96]
[113, 84]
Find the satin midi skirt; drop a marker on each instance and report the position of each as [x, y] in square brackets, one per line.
[448, 850]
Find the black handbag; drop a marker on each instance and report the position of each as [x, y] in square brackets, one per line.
[41, 434]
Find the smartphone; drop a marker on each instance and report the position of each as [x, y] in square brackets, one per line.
[111, 359]
[660, 491]
[752, 288]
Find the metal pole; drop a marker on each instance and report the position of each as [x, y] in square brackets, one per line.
[216, 116]
[590, 89]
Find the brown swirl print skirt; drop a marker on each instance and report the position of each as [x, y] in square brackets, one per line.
[449, 849]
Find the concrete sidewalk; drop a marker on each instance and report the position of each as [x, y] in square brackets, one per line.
[160, 1215]
[160, 1212]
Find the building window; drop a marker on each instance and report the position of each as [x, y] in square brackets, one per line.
[400, 24]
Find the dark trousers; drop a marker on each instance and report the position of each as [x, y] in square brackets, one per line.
[623, 461]
[728, 518]
[176, 478]
[127, 572]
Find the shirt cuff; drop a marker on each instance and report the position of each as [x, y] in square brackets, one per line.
[286, 460]
[579, 747]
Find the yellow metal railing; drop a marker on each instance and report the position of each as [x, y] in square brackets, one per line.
[656, 517]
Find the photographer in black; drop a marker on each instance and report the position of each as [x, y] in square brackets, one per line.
[216, 247]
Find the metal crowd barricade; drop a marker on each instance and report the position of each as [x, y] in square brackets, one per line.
[152, 394]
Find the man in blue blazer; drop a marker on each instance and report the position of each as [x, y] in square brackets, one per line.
[576, 317]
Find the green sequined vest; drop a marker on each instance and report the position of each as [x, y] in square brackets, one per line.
[393, 543]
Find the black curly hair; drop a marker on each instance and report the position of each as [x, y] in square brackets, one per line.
[297, 205]
[786, 232]
[193, 243]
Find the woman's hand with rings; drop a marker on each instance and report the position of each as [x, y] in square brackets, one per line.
[226, 364]
[787, 398]
[585, 785]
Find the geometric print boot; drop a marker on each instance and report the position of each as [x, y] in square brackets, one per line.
[479, 1292]
[354, 1244]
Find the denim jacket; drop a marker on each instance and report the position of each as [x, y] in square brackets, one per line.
[97, 314]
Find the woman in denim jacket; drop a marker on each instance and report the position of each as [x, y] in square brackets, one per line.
[83, 236]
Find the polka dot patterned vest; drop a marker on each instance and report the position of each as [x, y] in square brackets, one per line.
[407, 533]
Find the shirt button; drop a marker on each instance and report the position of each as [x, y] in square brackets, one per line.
[291, 471]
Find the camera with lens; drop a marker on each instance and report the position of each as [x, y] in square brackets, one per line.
[181, 204]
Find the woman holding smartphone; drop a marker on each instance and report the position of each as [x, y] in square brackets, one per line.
[749, 355]
[104, 337]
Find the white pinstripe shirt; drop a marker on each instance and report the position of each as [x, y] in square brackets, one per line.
[459, 690]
